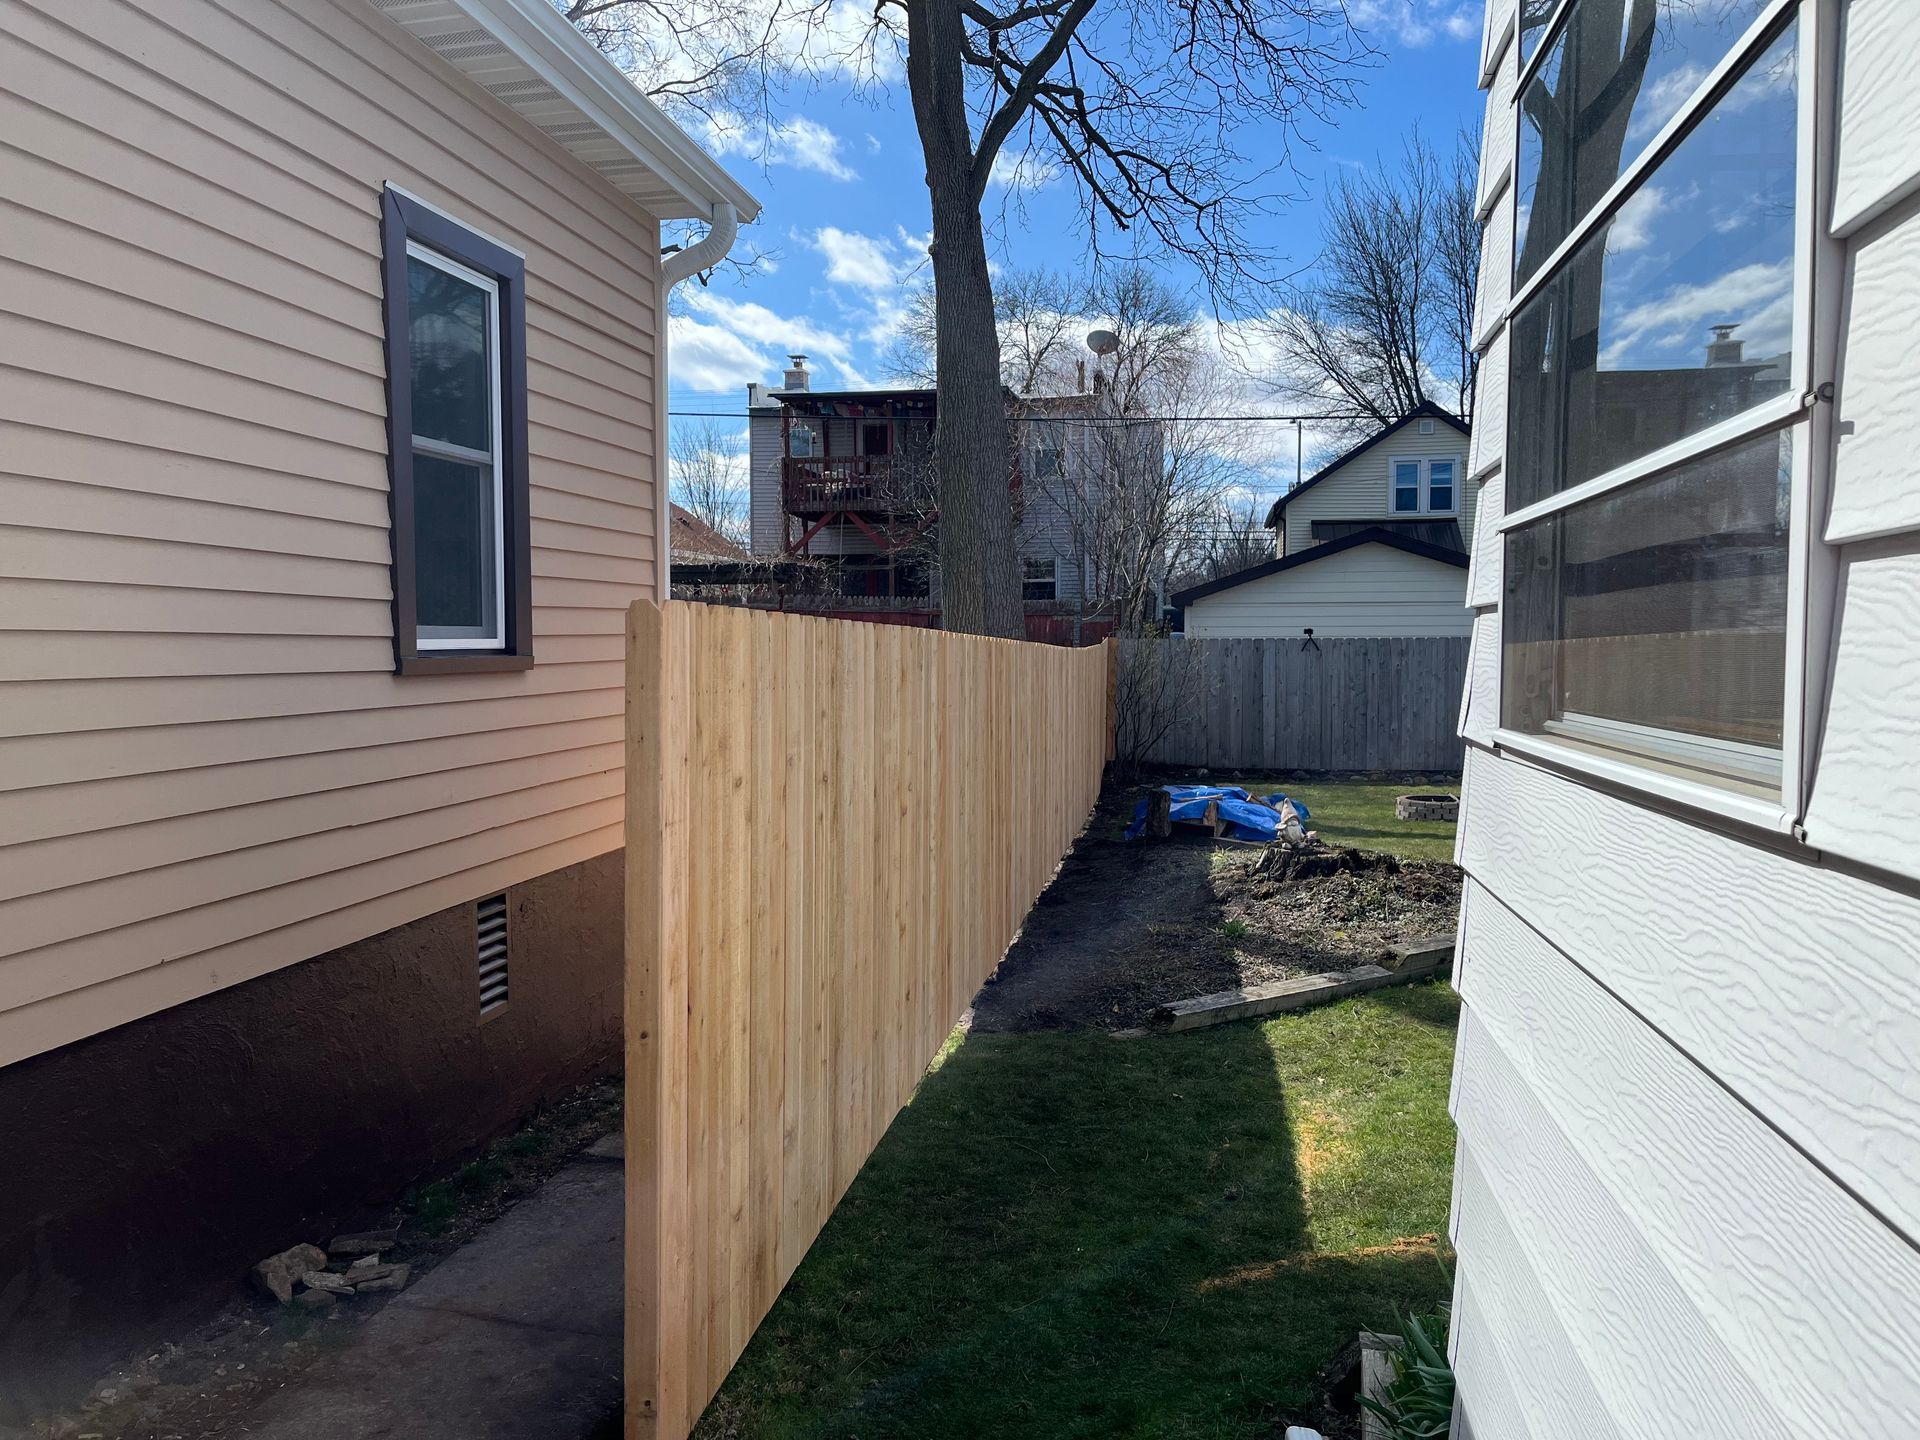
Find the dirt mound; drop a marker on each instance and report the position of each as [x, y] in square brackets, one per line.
[1128, 926]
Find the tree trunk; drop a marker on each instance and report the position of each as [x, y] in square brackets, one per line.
[979, 571]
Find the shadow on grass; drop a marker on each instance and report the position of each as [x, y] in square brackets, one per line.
[1067, 1235]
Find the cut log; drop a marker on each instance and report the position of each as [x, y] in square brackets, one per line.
[1159, 809]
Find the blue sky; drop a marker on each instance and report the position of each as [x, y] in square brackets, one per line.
[845, 209]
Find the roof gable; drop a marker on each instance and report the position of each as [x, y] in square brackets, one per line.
[1425, 410]
[1373, 535]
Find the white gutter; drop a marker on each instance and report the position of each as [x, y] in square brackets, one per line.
[703, 254]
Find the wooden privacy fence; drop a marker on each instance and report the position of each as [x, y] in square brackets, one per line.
[1281, 704]
[833, 831]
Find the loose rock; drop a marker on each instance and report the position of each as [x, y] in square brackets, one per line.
[327, 1280]
[365, 1242]
[395, 1280]
[316, 1299]
[276, 1273]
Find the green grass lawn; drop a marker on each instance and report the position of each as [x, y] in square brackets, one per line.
[1360, 813]
[1069, 1235]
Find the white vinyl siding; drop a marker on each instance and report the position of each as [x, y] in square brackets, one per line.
[211, 770]
[1368, 590]
[1687, 1091]
[1362, 488]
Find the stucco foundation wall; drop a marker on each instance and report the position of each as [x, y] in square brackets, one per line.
[169, 1154]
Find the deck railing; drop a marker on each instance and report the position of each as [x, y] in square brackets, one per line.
[818, 484]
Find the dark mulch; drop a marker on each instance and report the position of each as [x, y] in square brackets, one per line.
[1128, 926]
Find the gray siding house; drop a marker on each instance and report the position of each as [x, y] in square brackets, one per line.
[843, 474]
[1688, 1077]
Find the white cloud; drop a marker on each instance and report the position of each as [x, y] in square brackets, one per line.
[757, 338]
[800, 143]
[1026, 171]
[1416, 23]
[862, 261]
[1632, 228]
[1671, 328]
[711, 358]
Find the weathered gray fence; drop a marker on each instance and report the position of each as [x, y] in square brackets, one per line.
[1280, 704]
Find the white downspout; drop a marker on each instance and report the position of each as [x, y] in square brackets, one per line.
[703, 254]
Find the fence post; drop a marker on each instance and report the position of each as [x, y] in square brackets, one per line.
[650, 898]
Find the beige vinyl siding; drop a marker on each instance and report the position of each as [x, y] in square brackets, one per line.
[1359, 491]
[1368, 590]
[209, 768]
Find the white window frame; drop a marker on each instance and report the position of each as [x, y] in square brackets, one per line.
[1052, 577]
[436, 637]
[1811, 565]
[1425, 487]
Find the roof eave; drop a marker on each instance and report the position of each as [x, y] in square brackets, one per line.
[542, 40]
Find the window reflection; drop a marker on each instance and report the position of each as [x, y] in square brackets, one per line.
[1677, 313]
[1659, 607]
[447, 321]
[1616, 73]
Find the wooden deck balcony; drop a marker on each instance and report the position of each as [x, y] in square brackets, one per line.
[822, 485]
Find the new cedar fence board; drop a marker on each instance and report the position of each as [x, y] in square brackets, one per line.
[1391, 703]
[833, 831]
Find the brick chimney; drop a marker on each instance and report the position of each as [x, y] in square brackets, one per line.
[795, 377]
[1723, 349]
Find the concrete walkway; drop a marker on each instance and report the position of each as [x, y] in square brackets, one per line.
[514, 1337]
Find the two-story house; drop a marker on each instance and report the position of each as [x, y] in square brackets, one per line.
[848, 475]
[1373, 544]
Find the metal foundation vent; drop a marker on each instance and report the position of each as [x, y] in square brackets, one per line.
[490, 926]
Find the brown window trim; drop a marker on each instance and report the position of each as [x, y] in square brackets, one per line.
[401, 219]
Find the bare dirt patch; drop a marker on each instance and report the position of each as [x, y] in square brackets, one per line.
[1129, 925]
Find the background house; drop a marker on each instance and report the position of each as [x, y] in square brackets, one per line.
[1687, 1199]
[327, 472]
[1373, 544]
[847, 476]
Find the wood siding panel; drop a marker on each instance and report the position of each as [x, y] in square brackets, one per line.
[1877, 425]
[1865, 803]
[1359, 489]
[1817, 1038]
[1490, 409]
[1496, 271]
[1632, 1105]
[208, 760]
[1876, 162]
[1480, 702]
[1371, 590]
[1489, 553]
[784, 995]
[1498, 136]
[1487, 1400]
[1649, 1362]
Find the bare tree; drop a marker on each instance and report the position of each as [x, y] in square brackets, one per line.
[1146, 467]
[1137, 102]
[1385, 321]
[708, 469]
[1041, 317]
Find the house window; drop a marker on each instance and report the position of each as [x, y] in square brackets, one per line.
[876, 439]
[803, 443]
[1046, 449]
[1656, 360]
[457, 444]
[1423, 487]
[1039, 581]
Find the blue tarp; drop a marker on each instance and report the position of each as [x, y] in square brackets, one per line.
[1246, 818]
